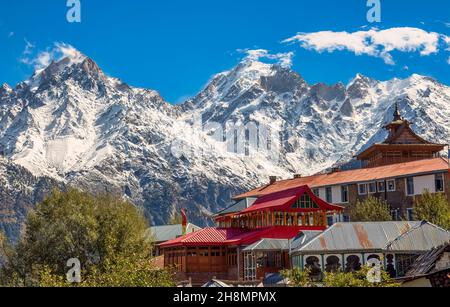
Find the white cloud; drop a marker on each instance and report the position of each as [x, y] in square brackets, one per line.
[45, 58]
[28, 47]
[447, 41]
[373, 42]
[284, 59]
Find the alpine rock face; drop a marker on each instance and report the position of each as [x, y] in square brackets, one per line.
[72, 125]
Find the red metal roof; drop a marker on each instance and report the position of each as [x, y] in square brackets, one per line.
[236, 237]
[285, 199]
[354, 176]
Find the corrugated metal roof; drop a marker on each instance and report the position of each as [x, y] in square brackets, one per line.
[268, 245]
[357, 236]
[238, 207]
[304, 238]
[354, 176]
[423, 237]
[170, 232]
[233, 236]
[426, 264]
[216, 284]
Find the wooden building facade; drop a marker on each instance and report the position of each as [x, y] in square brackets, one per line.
[397, 171]
[233, 250]
[402, 145]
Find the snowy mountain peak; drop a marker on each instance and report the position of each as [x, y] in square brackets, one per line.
[77, 67]
[95, 132]
[5, 88]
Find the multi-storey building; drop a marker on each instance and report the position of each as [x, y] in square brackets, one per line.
[398, 170]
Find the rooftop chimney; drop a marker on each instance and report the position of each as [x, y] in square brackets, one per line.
[273, 179]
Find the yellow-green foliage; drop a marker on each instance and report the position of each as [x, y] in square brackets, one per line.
[357, 279]
[300, 278]
[106, 233]
[433, 208]
[371, 209]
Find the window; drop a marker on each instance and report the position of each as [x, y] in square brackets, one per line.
[439, 183]
[410, 213]
[410, 186]
[391, 186]
[329, 193]
[362, 189]
[372, 188]
[316, 192]
[305, 202]
[344, 194]
[330, 220]
[381, 186]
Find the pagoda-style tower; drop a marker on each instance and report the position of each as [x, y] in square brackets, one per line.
[402, 145]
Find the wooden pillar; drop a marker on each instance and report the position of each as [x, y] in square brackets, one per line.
[238, 251]
[209, 259]
[185, 260]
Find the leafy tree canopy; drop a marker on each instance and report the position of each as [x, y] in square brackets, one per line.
[107, 234]
[433, 208]
[371, 209]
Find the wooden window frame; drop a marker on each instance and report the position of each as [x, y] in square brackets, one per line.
[366, 189]
[395, 185]
[384, 186]
[372, 184]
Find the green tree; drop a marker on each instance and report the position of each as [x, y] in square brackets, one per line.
[433, 208]
[372, 209]
[107, 234]
[301, 278]
[176, 219]
[357, 279]
[5, 249]
[298, 277]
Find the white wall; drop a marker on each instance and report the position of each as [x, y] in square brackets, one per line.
[424, 183]
[336, 194]
[337, 199]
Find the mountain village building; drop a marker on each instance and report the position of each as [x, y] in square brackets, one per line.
[348, 246]
[398, 170]
[302, 222]
[250, 240]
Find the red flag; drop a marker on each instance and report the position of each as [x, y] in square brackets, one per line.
[184, 216]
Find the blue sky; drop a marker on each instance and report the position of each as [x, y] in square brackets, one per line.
[176, 46]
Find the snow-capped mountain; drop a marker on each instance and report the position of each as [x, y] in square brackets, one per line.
[19, 192]
[73, 123]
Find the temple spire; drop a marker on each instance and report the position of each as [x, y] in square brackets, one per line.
[397, 115]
